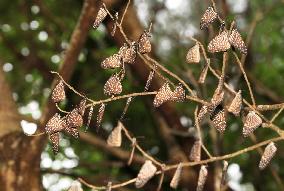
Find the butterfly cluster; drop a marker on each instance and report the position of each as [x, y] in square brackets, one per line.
[126, 55]
[225, 39]
[165, 94]
[73, 120]
[68, 124]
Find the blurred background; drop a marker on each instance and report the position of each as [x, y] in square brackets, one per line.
[34, 40]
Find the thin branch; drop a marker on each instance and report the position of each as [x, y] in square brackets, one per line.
[124, 13]
[199, 134]
[130, 138]
[246, 78]
[270, 107]
[276, 115]
[189, 164]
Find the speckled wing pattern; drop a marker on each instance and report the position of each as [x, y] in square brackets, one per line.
[236, 41]
[193, 54]
[236, 104]
[267, 155]
[111, 62]
[220, 43]
[252, 121]
[164, 94]
[208, 17]
[113, 86]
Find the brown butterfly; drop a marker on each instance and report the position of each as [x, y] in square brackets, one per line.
[146, 172]
[74, 119]
[220, 43]
[177, 176]
[195, 152]
[100, 17]
[252, 121]
[236, 105]
[164, 94]
[208, 17]
[111, 62]
[128, 53]
[115, 138]
[144, 44]
[237, 42]
[219, 120]
[202, 178]
[100, 115]
[54, 138]
[179, 94]
[267, 155]
[193, 54]
[55, 124]
[113, 86]
[58, 93]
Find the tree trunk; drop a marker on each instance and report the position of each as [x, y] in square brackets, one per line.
[15, 147]
[20, 154]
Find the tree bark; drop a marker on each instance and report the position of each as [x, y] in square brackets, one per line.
[20, 154]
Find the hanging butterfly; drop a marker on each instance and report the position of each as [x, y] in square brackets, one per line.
[236, 105]
[208, 17]
[111, 62]
[164, 94]
[237, 42]
[54, 138]
[100, 17]
[193, 54]
[144, 44]
[82, 107]
[203, 173]
[220, 43]
[177, 176]
[74, 119]
[218, 118]
[267, 155]
[252, 121]
[115, 138]
[55, 124]
[100, 115]
[195, 152]
[58, 93]
[179, 94]
[146, 172]
[113, 86]
[72, 131]
[128, 53]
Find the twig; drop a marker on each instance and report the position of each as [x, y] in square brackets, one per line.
[199, 133]
[189, 164]
[126, 8]
[130, 138]
[170, 73]
[270, 107]
[276, 115]
[246, 78]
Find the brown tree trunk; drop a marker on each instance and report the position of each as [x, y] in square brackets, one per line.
[20, 154]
